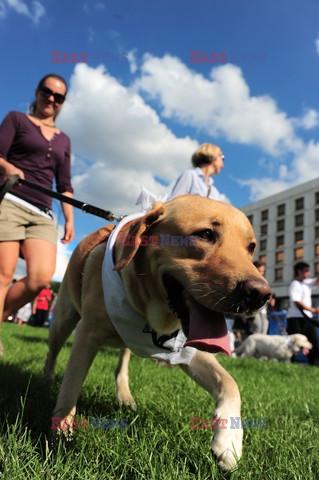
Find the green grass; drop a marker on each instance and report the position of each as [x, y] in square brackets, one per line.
[159, 444]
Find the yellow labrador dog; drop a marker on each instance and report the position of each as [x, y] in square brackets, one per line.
[182, 284]
[276, 347]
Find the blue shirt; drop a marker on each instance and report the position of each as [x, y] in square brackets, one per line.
[193, 182]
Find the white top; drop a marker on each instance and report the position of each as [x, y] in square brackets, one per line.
[193, 182]
[300, 292]
[131, 326]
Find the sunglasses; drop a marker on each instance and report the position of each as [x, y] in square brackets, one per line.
[47, 92]
[221, 156]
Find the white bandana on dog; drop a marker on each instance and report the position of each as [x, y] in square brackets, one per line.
[131, 326]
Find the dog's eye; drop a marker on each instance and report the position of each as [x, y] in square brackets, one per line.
[207, 234]
[251, 247]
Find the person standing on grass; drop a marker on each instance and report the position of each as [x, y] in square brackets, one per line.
[300, 312]
[33, 147]
[40, 307]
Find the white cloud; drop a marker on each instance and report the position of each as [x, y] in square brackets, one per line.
[308, 120]
[19, 6]
[131, 56]
[122, 143]
[220, 106]
[261, 188]
[124, 139]
[317, 45]
[304, 167]
[63, 255]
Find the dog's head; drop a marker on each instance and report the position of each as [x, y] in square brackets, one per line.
[198, 267]
[300, 341]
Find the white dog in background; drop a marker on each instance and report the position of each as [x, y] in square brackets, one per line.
[275, 347]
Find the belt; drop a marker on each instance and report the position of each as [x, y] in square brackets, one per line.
[46, 210]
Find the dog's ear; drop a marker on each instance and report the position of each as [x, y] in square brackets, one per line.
[136, 229]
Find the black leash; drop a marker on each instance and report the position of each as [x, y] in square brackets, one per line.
[85, 207]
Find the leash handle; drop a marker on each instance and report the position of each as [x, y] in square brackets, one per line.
[6, 187]
[85, 207]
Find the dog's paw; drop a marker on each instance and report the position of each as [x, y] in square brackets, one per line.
[63, 428]
[126, 400]
[227, 444]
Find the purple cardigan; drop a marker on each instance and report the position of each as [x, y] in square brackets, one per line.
[41, 160]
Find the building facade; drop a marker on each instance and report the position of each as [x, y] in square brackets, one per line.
[287, 229]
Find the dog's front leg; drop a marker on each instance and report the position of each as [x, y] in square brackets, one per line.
[86, 344]
[123, 392]
[209, 374]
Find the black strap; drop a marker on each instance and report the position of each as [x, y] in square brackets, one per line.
[85, 207]
[8, 185]
[312, 320]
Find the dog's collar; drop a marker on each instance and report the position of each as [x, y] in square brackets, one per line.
[286, 342]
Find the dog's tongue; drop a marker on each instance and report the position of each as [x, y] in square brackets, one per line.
[207, 330]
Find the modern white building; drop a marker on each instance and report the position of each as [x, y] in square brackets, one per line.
[287, 228]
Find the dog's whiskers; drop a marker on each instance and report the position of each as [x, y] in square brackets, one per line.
[222, 298]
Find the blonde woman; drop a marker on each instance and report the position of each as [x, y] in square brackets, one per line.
[207, 160]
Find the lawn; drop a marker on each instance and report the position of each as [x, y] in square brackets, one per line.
[158, 443]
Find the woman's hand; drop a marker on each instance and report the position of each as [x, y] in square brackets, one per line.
[7, 169]
[68, 232]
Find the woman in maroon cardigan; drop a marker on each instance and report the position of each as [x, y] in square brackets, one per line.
[35, 149]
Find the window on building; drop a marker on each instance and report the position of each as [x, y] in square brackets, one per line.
[317, 250]
[299, 253]
[317, 197]
[280, 241]
[279, 273]
[299, 236]
[250, 218]
[280, 225]
[263, 259]
[316, 233]
[264, 215]
[264, 229]
[299, 220]
[299, 203]
[317, 215]
[316, 269]
[263, 245]
[279, 257]
[281, 209]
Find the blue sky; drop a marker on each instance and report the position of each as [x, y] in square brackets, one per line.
[139, 107]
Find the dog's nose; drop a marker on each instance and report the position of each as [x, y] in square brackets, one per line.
[255, 293]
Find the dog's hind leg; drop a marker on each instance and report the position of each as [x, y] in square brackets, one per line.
[209, 374]
[123, 393]
[65, 319]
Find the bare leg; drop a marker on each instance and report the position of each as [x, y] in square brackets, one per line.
[40, 257]
[9, 254]
[209, 374]
[123, 393]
